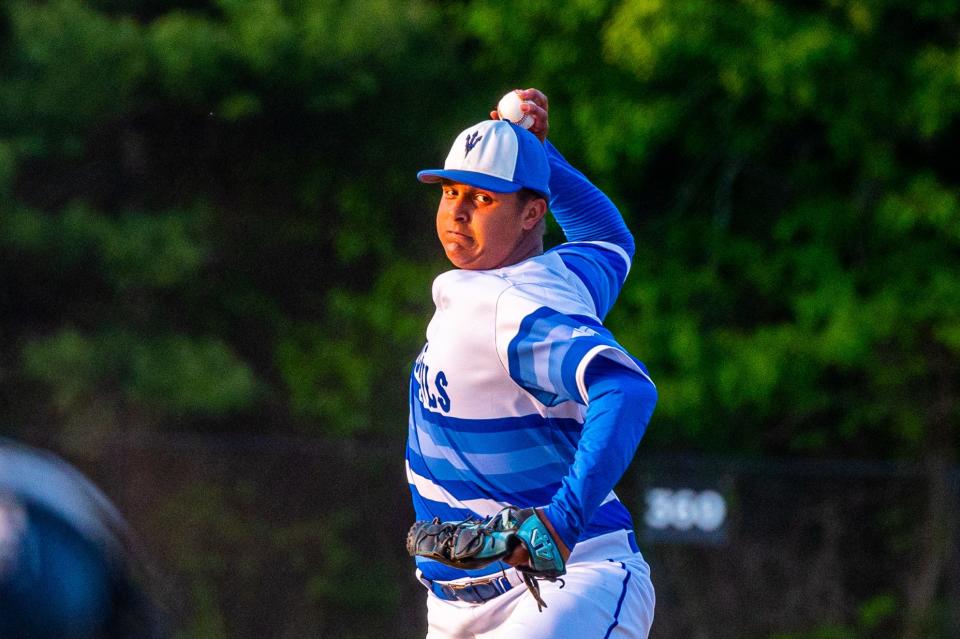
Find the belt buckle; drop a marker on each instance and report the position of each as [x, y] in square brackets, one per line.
[471, 587]
[470, 584]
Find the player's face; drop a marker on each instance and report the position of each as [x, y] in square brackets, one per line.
[482, 229]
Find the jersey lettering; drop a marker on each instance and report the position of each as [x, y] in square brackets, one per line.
[441, 383]
[427, 397]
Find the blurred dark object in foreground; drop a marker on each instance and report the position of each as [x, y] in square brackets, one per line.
[68, 566]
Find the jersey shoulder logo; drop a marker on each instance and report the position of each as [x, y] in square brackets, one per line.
[583, 331]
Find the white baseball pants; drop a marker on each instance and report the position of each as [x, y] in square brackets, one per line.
[606, 594]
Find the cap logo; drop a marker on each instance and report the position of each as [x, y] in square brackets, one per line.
[472, 140]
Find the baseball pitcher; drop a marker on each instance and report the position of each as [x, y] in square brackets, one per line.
[524, 409]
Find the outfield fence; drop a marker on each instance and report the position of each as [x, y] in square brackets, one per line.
[271, 537]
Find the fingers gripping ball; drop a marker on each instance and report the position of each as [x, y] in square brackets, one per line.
[509, 109]
[475, 543]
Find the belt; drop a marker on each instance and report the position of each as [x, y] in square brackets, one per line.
[598, 548]
[477, 591]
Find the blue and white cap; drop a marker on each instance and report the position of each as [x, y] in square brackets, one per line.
[498, 156]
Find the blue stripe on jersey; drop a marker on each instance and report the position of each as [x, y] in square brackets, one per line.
[521, 363]
[580, 272]
[587, 320]
[571, 362]
[464, 484]
[472, 484]
[530, 463]
[544, 356]
[427, 509]
[496, 425]
[467, 490]
[602, 270]
[447, 462]
[522, 460]
[500, 442]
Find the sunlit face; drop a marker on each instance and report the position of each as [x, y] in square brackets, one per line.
[481, 229]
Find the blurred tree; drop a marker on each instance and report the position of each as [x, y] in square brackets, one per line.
[786, 167]
[199, 204]
[209, 218]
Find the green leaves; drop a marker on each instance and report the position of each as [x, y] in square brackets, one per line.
[134, 250]
[209, 221]
[195, 57]
[335, 370]
[166, 374]
[66, 65]
[924, 204]
[229, 186]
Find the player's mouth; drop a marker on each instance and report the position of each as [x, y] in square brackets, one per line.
[456, 236]
[456, 243]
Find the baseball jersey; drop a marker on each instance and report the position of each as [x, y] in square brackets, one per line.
[497, 395]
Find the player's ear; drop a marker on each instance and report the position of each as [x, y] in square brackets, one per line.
[533, 213]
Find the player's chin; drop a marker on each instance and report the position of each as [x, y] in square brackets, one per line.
[464, 260]
[464, 266]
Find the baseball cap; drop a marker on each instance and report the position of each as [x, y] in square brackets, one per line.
[498, 156]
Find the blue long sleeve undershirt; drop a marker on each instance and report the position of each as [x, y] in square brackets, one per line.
[620, 403]
[583, 211]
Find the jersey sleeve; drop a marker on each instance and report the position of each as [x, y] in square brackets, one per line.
[546, 352]
[601, 266]
[583, 211]
[599, 245]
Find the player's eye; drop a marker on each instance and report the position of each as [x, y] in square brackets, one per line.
[483, 198]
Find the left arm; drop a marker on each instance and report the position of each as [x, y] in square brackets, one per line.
[620, 403]
[556, 358]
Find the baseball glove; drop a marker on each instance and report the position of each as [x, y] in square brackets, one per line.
[475, 543]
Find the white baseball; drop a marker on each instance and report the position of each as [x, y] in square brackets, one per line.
[509, 109]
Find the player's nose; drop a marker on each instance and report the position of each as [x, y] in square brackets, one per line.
[460, 210]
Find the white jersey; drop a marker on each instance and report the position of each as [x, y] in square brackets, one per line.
[497, 395]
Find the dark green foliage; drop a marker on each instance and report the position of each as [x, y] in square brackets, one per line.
[209, 218]
[787, 169]
[241, 174]
[230, 187]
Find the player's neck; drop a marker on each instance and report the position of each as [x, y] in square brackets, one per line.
[530, 244]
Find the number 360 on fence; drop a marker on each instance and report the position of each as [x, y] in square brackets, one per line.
[684, 515]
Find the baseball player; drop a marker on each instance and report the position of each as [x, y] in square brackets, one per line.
[524, 409]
